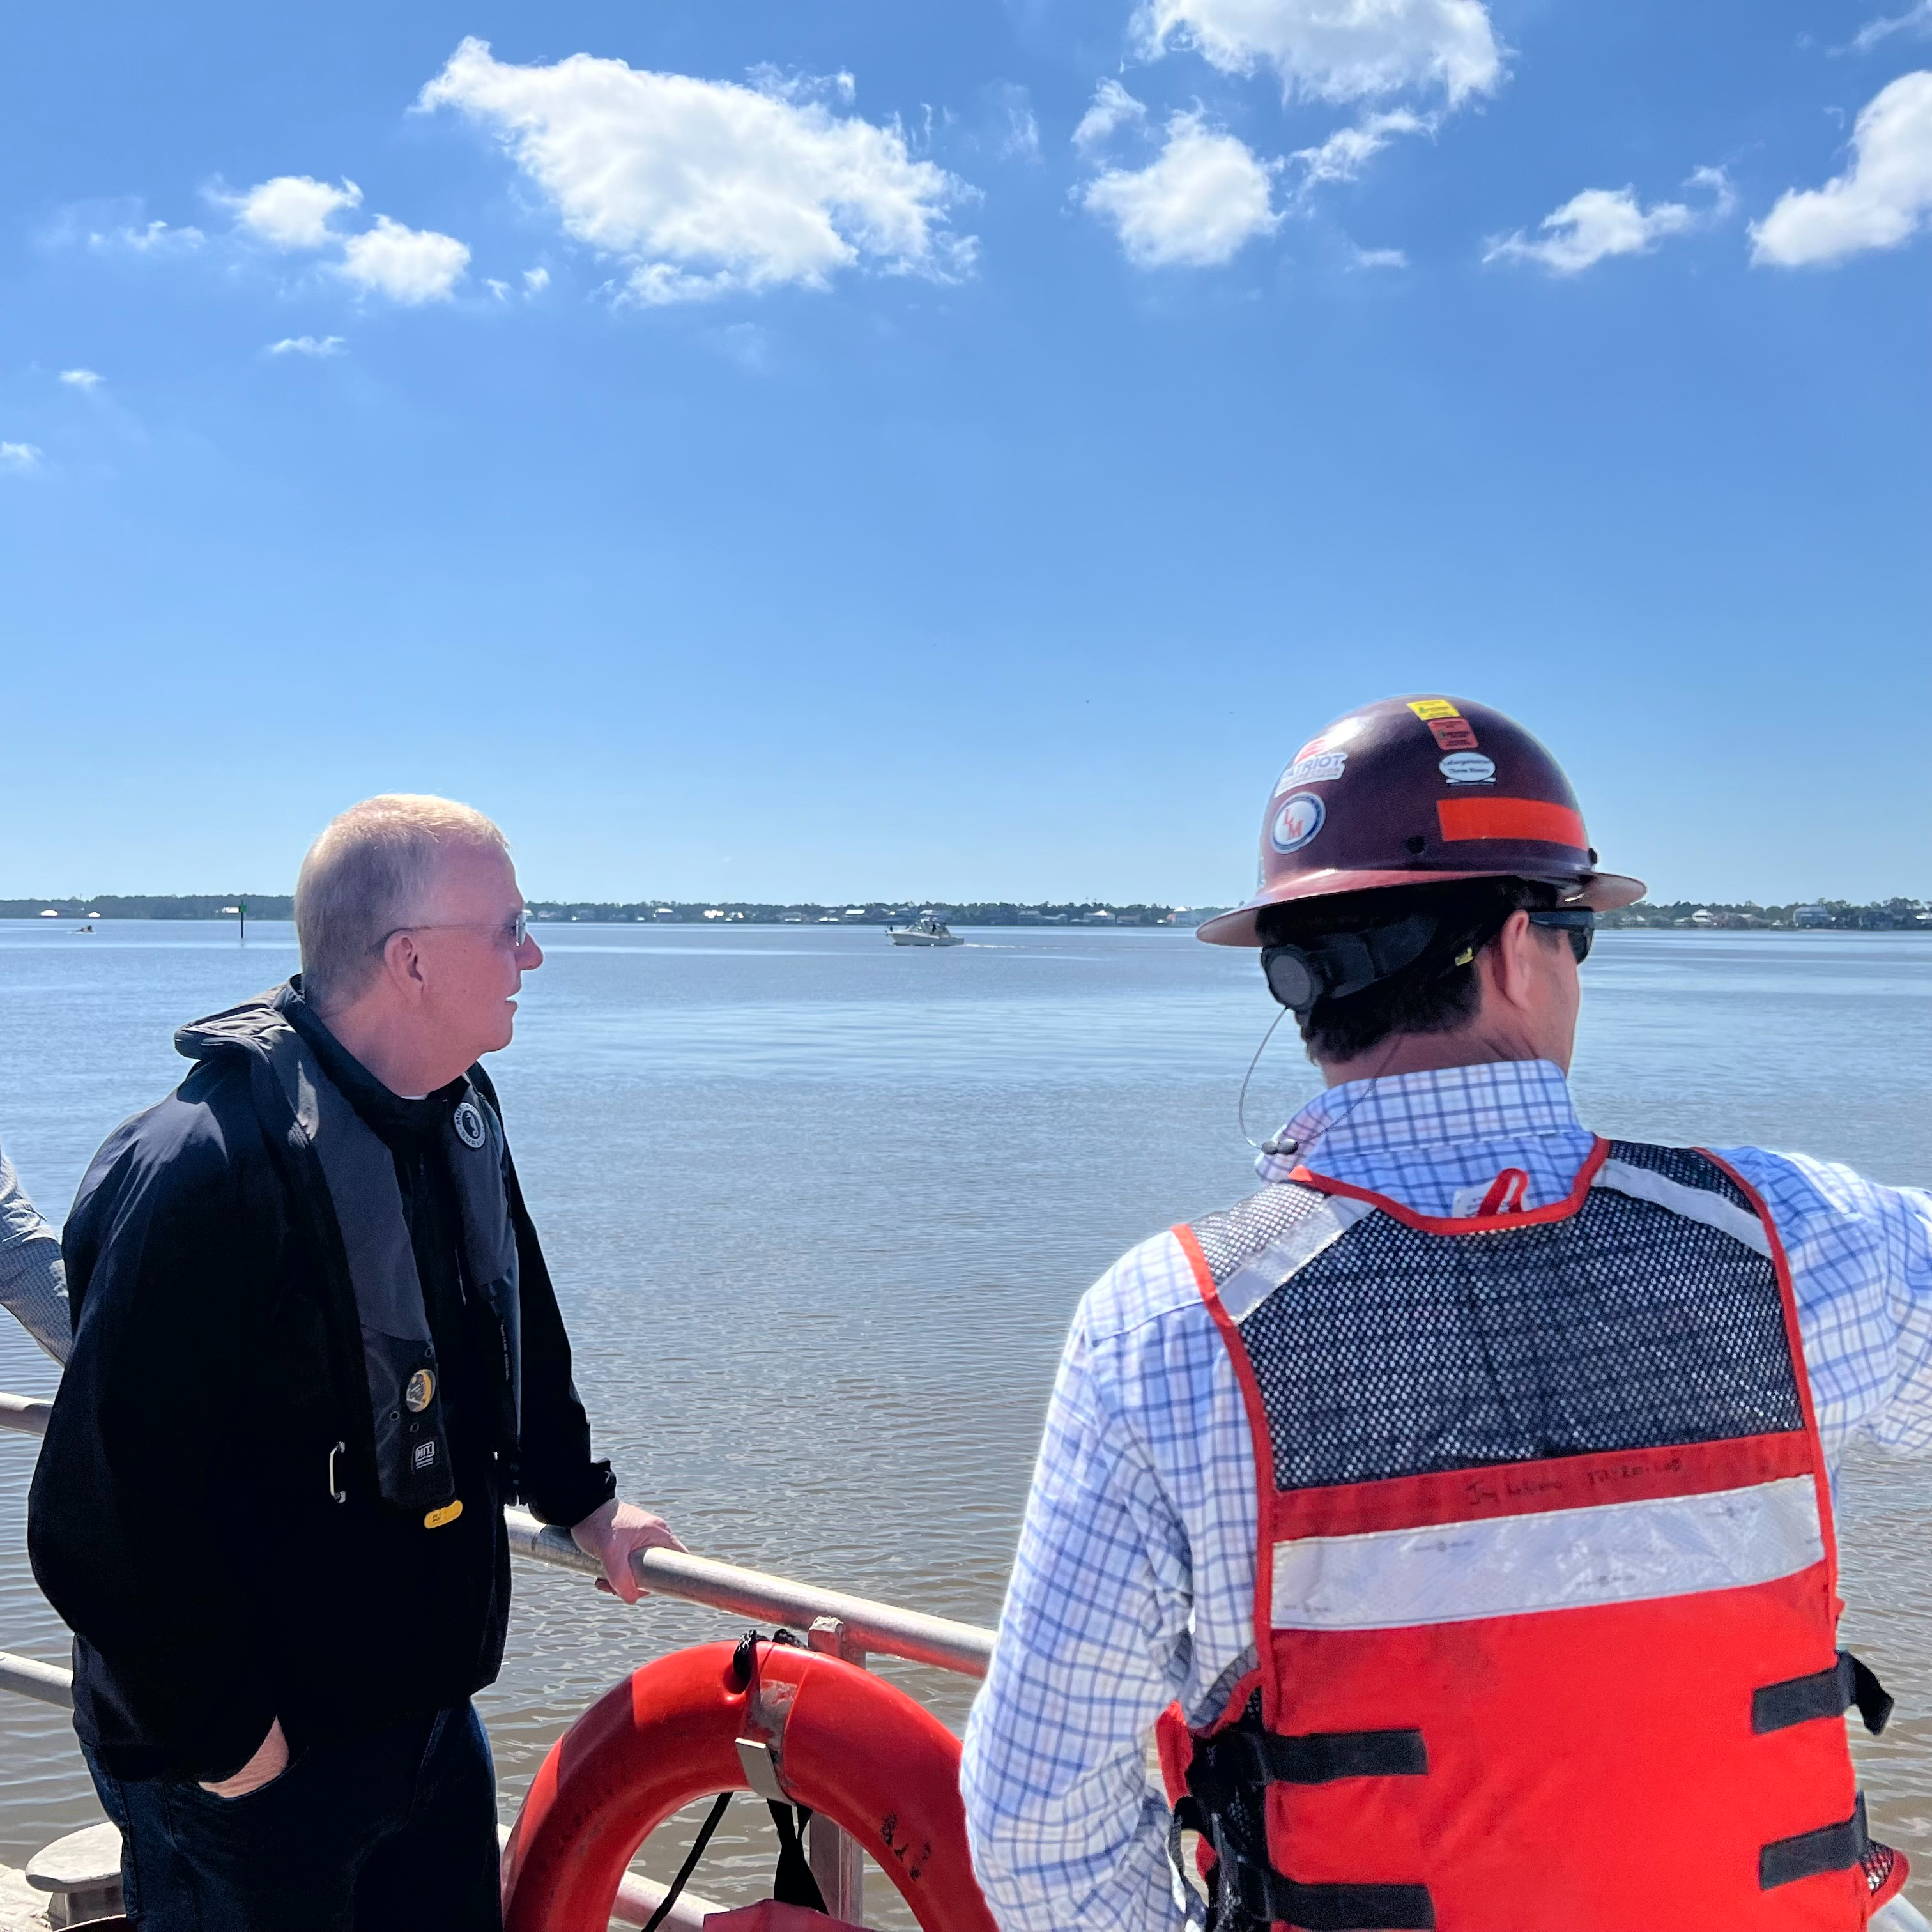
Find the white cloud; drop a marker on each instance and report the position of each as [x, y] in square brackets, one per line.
[308, 345]
[1884, 198]
[1113, 109]
[702, 187]
[292, 211]
[748, 346]
[535, 280]
[407, 264]
[1601, 222]
[82, 379]
[20, 457]
[1012, 129]
[1201, 198]
[1342, 156]
[1914, 20]
[1022, 139]
[156, 238]
[1339, 49]
[1379, 258]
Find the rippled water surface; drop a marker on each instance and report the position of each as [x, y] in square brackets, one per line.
[819, 1210]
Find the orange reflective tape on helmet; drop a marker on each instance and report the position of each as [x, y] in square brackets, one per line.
[1519, 818]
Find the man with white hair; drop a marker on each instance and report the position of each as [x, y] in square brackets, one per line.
[316, 1351]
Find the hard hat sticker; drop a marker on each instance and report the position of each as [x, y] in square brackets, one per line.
[1427, 709]
[1324, 746]
[1540, 819]
[1453, 734]
[1468, 768]
[1312, 767]
[1298, 821]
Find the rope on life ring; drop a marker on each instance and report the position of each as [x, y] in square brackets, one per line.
[735, 1718]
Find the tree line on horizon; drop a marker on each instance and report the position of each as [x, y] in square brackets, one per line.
[1879, 915]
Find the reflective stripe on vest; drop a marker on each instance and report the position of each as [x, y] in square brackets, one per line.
[1547, 1580]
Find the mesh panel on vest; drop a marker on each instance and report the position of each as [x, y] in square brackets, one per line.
[1397, 1353]
[1876, 1862]
[1252, 1227]
[1684, 1165]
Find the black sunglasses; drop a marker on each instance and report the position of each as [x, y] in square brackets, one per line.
[1578, 922]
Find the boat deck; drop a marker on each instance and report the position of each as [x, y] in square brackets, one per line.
[21, 1908]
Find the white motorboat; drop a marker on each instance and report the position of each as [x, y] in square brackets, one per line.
[925, 931]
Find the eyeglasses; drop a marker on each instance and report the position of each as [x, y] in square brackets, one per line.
[1578, 922]
[511, 935]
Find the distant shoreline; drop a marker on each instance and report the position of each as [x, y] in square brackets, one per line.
[1829, 915]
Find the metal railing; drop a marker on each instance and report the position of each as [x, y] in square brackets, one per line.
[27, 1413]
[849, 1626]
[882, 1629]
[28, 1677]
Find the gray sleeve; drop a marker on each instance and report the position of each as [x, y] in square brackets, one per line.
[33, 1284]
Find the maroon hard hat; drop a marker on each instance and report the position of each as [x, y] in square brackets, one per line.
[1411, 791]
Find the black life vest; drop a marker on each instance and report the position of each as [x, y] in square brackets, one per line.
[344, 1180]
[1546, 1595]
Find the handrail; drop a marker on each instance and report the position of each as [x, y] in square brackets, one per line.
[884, 1628]
[28, 1677]
[868, 1625]
[27, 1413]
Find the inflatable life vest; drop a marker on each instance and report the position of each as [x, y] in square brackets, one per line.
[1546, 1596]
[790, 1724]
[343, 1176]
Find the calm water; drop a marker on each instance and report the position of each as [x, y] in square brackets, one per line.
[819, 1210]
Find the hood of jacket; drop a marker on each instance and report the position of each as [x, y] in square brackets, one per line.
[253, 1027]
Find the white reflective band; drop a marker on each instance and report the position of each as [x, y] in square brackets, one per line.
[1694, 1203]
[1555, 1560]
[1250, 1285]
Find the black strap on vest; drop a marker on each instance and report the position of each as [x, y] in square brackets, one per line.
[1265, 1895]
[1825, 1693]
[1248, 1890]
[1315, 1757]
[1832, 1848]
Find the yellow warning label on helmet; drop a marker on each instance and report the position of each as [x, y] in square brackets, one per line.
[448, 1513]
[1426, 708]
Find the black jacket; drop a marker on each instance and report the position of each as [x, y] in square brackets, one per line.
[180, 1520]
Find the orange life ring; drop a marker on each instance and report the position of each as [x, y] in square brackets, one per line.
[841, 1741]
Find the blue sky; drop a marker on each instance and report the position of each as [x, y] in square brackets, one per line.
[768, 451]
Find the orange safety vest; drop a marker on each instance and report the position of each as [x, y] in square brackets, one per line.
[1547, 1600]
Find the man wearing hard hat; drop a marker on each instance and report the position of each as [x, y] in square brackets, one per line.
[1455, 1510]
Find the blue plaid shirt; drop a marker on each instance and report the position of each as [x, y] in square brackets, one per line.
[1134, 1582]
[33, 1284]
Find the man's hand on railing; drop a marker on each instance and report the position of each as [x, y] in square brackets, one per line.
[611, 1533]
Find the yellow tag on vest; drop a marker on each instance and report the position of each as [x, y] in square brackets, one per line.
[448, 1513]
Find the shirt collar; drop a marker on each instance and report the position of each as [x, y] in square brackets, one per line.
[395, 1120]
[1443, 1107]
